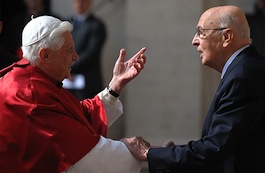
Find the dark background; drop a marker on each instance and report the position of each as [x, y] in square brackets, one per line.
[9, 8]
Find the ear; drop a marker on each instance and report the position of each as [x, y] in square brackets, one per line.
[44, 55]
[227, 37]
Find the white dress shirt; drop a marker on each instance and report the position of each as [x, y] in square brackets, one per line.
[108, 156]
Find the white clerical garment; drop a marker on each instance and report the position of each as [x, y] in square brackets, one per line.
[108, 156]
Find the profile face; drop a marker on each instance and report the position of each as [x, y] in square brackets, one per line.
[210, 45]
[63, 58]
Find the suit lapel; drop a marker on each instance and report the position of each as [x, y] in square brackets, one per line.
[211, 110]
[248, 52]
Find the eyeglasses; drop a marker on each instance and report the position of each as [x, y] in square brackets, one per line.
[202, 35]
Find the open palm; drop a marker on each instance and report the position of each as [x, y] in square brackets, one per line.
[124, 72]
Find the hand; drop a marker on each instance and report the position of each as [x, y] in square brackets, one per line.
[124, 72]
[137, 146]
[168, 144]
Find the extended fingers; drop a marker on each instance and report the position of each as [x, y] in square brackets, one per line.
[139, 62]
[137, 146]
[141, 59]
[138, 56]
[143, 142]
[139, 53]
[136, 140]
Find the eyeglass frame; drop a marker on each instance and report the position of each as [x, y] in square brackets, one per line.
[201, 35]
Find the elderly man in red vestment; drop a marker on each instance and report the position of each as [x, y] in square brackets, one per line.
[45, 129]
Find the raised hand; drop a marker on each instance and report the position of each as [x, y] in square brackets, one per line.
[124, 72]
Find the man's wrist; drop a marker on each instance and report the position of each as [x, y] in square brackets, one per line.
[112, 92]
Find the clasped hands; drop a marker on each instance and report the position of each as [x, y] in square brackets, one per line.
[140, 147]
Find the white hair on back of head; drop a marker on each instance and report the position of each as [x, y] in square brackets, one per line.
[53, 41]
[240, 27]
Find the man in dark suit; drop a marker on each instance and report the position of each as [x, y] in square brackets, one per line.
[6, 58]
[232, 139]
[89, 35]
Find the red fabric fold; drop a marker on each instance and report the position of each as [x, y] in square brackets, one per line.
[44, 128]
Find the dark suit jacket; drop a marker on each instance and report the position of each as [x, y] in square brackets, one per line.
[6, 59]
[89, 40]
[233, 136]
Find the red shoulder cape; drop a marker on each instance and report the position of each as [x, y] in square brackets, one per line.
[43, 128]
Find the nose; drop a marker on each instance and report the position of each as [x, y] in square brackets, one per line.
[195, 40]
[75, 56]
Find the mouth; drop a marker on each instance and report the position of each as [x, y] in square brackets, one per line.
[200, 53]
[70, 67]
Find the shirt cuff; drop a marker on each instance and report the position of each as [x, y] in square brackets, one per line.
[112, 105]
[106, 96]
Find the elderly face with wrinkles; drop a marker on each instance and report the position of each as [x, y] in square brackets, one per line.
[216, 41]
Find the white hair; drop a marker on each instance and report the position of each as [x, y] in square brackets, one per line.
[240, 27]
[53, 41]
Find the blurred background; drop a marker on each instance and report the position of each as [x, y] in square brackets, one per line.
[170, 98]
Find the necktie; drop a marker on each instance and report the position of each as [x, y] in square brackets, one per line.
[77, 24]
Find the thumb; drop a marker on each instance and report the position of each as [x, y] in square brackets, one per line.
[121, 56]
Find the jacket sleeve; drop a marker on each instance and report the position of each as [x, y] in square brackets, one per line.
[236, 112]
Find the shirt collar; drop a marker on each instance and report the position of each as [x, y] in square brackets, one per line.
[231, 59]
[82, 17]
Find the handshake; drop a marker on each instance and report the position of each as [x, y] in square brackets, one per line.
[140, 147]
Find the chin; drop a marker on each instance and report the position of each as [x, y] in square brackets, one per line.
[203, 62]
[68, 74]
